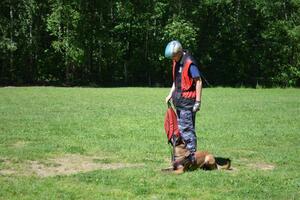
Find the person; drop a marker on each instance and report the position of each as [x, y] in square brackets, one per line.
[185, 93]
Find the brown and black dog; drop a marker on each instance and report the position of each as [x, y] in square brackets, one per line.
[204, 160]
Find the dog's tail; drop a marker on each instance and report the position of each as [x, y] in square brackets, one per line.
[223, 163]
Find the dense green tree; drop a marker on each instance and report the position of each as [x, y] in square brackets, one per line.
[236, 42]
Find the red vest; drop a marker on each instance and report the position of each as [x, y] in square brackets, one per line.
[187, 88]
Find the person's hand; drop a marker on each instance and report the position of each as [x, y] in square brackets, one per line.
[168, 98]
[197, 106]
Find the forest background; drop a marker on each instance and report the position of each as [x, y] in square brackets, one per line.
[121, 43]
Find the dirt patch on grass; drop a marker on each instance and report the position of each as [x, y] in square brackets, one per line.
[64, 165]
[72, 164]
[7, 172]
[19, 144]
[261, 166]
[5, 163]
[256, 165]
[253, 165]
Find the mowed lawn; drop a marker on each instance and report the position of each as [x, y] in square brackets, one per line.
[109, 143]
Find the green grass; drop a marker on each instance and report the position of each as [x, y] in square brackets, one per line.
[125, 125]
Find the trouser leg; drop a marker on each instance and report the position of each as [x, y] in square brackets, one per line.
[186, 123]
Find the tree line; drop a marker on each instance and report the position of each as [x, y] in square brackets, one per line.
[121, 43]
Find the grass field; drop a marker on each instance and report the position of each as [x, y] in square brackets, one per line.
[109, 143]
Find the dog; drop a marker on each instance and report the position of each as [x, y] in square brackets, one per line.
[203, 160]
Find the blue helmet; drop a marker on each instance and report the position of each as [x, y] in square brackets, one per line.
[172, 48]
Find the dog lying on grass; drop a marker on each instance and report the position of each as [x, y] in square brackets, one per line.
[204, 160]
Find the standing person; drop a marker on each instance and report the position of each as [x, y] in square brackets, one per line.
[185, 93]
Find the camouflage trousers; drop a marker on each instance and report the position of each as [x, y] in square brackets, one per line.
[186, 124]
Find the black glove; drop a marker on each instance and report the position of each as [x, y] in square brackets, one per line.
[197, 106]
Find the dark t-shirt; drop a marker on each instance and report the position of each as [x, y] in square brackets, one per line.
[193, 71]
